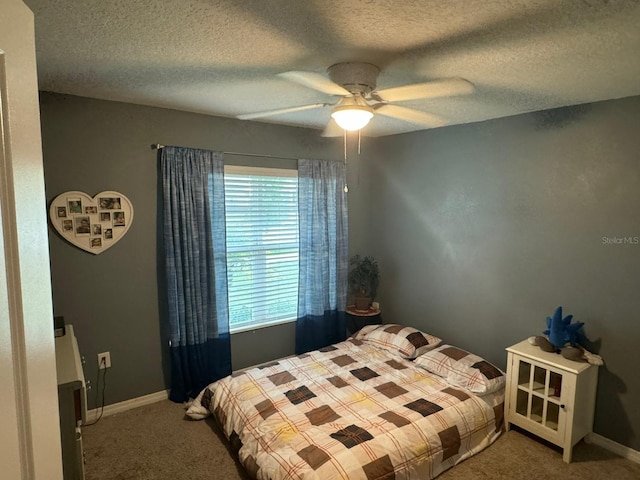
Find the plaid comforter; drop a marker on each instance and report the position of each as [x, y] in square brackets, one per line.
[350, 411]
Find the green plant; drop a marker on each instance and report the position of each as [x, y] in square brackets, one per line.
[364, 276]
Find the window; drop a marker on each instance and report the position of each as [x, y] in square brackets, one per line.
[261, 207]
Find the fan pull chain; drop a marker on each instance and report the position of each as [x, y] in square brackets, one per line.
[345, 146]
[359, 158]
[346, 187]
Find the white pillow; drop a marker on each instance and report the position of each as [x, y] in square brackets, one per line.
[408, 342]
[363, 331]
[463, 369]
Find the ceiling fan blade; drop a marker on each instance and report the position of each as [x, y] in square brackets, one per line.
[332, 129]
[410, 115]
[315, 81]
[435, 89]
[280, 111]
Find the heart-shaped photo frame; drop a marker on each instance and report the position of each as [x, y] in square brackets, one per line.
[93, 224]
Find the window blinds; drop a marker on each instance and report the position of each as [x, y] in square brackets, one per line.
[262, 245]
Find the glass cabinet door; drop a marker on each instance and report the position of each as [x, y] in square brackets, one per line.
[538, 394]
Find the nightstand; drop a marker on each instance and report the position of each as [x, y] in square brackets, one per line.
[549, 395]
[356, 319]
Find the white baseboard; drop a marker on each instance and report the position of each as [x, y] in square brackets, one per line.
[120, 407]
[615, 447]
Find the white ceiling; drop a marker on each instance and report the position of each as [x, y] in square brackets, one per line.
[221, 57]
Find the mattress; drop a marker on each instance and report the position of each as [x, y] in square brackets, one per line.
[349, 410]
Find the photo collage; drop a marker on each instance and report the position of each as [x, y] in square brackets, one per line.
[91, 223]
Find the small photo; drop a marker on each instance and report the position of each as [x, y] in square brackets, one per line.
[96, 229]
[96, 242]
[75, 205]
[62, 212]
[83, 226]
[108, 234]
[118, 219]
[105, 216]
[110, 203]
[67, 225]
[90, 210]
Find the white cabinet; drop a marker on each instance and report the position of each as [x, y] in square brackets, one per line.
[550, 396]
[72, 401]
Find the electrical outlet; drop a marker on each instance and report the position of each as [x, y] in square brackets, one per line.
[104, 360]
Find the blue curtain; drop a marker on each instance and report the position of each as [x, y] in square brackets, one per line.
[322, 283]
[196, 269]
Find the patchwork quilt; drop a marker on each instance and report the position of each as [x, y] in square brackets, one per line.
[349, 411]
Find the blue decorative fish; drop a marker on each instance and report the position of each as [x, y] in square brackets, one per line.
[561, 332]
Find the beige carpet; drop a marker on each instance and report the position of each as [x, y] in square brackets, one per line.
[158, 442]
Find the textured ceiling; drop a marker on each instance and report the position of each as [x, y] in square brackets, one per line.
[221, 57]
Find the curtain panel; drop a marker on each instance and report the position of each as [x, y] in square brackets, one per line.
[196, 269]
[322, 283]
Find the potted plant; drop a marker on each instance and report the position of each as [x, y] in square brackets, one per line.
[364, 278]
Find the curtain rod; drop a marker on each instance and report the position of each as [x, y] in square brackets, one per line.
[158, 146]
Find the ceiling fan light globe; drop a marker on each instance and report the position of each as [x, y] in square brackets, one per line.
[352, 118]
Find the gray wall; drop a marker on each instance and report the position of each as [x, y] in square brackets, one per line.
[482, 230]
[112, 298]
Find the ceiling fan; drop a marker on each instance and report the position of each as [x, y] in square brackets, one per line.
[355, 84]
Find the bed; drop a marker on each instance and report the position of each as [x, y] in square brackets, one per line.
[364, 408]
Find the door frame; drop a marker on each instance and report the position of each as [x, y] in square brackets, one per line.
[29, 419]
